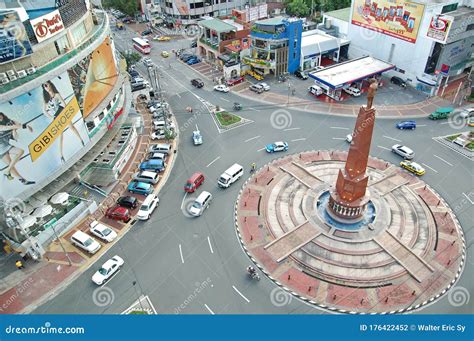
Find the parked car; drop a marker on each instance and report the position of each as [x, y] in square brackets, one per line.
[441, 113]
[164, 38]
[108, 269]
[412, 167]
[221, 88]
[193, 61]
[148, 206]
[398, 81]
[156, 156]
[118, 213]
[315, 90]
[158, 135]
[349, 138]
[403, 151]
[234, 81]
[133, 73]
[352, 91]
[146, 32]
[265, 86]
[406, 124]
[197, 137]
[165, 54]
[84, 241]
[103, 232]
[152, 165]
[193, 44]
[279, 146]
[194, 182]
[146, 176]
[127, 201]
[301, 74]
[188, 57]
[138, 86]
[197, 82]
[138, 187]
[257, 88]
[163, 124]
[160, 148]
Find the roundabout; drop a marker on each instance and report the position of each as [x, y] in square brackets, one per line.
[406, 254]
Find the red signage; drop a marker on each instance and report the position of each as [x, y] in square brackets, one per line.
[47, 25]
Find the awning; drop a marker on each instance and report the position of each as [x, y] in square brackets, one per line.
[317, 44]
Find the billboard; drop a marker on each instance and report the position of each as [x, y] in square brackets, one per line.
[47, 25]
[395, 18]
[14, 42]
[439, 28]
[39, 132]
[93, 78]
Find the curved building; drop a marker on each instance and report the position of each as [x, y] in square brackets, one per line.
[61, 92]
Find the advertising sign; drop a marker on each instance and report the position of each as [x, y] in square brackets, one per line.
[439, 28]
[14, 42]
[47, 25]
[39, 132]
[396, 18]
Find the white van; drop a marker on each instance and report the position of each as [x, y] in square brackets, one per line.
[85, 242]
[230, 176]
[164, 148]
[200, 204]
[147, 176]
[315, 90]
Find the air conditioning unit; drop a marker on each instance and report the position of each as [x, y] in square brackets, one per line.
[31, 70]
[21, 74]
[12, 78]
[3, 75]
[4, 81]
[10, 73]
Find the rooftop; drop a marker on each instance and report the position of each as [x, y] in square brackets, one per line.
[238, 26]
[343, 14]
[271, 21]
[217, 25]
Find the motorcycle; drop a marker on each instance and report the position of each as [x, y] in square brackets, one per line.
[253, 274]
[237, 106]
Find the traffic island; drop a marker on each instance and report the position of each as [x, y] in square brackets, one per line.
[226, 120]
[408, 253]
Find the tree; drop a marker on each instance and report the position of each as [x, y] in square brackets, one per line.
[128, 7]
[132, 58]
[297, 8]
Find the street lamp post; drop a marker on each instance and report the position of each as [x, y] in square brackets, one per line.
[289, 88]
[61, 244]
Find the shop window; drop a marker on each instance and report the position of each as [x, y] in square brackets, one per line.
[449, 8]
[63, 44]
[79, 33]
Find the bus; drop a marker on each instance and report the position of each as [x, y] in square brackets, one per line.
[141, 45]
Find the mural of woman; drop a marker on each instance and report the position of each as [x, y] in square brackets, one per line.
[53, 105]
[9, 153]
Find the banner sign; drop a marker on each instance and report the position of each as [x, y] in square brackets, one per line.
[14, 42]
[395, 18]
[439, 28]
[47, 26]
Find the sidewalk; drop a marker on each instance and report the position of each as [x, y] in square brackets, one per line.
[23, 290]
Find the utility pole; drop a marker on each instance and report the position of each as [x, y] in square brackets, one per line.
[61, 244]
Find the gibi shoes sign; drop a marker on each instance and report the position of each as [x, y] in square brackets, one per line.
[47, 25]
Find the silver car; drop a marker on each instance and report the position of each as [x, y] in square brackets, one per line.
[403, 151]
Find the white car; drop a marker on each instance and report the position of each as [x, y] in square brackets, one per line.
[148, 62]
[352, 91]
[349, 138]
[107, 270]
[466, 113]
[197, 137]
[158, 135]
[148, 206]
[265, 86]
[103, 232]
[221, 88]
[163, 124]
[403, 151]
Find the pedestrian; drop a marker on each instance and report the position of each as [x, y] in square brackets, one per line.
[19, 265]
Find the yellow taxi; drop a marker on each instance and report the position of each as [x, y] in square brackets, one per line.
[470, 121]
[412, 167]
[164, 38]
[165, 54]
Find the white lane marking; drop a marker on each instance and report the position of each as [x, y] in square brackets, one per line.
[338, 138]
[438, 157]
[288, 129]
[391, 138]
[252, 138]
[434, 170]
[261, 149]
[178, 95]
[184, 198]
[181, 254]
[445, 123]
[384, 147]
[217, 158]
[254, 109]
[301, 139]
[421, 125]
[245, 298]
[343, 128]
[222, 98]
[210, 245]
[467, 197]
[209, 309]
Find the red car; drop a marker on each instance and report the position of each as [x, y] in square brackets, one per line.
[234, 81]
[194, 182]
[118, 213]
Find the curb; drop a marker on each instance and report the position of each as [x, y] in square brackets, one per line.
[334, 309]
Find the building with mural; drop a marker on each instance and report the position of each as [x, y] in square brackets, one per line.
[61, 93]
[430, 42]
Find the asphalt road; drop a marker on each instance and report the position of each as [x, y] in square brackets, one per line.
[196, 265]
